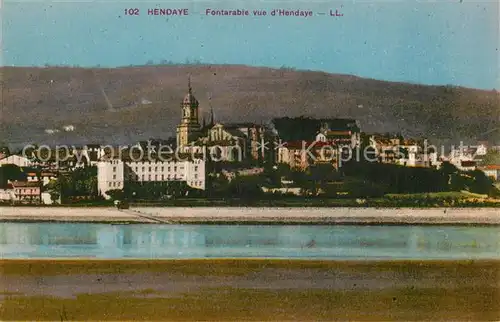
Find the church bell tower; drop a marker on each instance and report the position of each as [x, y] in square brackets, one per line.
[189, 128]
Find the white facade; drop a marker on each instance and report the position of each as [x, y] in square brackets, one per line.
[110, 176]
[114, 174]
[491, 173]
[44, 178]
[47, 199]
[18, 160]
[352, 138]
[7, 194]
[481, 150]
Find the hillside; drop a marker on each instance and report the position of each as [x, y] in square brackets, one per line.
[144, 102]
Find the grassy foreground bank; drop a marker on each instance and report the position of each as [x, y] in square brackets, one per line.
[441, 290]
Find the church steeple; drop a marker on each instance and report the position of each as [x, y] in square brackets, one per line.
[211, 111]
[212, 121]
[189, 128]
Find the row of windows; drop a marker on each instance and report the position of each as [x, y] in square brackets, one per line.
[162, 169]
[119, 184]
[143, 163]
[154, 162]
[26, 191]
[156, 177]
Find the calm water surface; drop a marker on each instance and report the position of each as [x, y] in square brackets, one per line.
[50, 240]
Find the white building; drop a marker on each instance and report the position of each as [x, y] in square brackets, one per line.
[18, 160]
[466, 157]
[409, 153]
[7, 193]
[43, 177]
[115, 174]
[492, 171]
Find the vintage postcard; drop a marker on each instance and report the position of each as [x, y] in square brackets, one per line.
[250, 160]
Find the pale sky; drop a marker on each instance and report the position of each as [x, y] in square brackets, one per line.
[443, 42]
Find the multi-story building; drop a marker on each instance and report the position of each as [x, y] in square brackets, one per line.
[117, 173]
[405, 152]
[492, 171]
[324, 141]
[20, 161]
[7, 193]
[221, 142]
[302, 154]
[42, 177]
[466, 158]
[340, 132]
[189, 129]
[29, 192]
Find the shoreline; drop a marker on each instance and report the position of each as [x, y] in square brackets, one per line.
[254, 215]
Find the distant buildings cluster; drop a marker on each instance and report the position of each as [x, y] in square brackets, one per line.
[189, 156]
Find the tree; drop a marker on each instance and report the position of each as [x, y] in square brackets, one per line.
[317, 177]
[218, 186]
[82, 182]
[116, 194]
[4, 149]
[54, 196]
[11, 172]
[274, 173]
[54, 189]
[248, 187]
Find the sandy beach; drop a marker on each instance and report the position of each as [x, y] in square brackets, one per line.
[259, 290]
[250, 215]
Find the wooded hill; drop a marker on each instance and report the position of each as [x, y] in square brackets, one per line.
[128, 104]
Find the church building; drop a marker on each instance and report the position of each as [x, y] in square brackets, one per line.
[223, 142]
[189, 129]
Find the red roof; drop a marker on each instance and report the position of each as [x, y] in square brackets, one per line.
[17, 184]
[491, 167]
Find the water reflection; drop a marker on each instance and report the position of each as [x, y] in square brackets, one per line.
[200, 241]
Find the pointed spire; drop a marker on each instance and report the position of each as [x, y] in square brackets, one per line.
[211, 110]
[189, 85]
[212, 121]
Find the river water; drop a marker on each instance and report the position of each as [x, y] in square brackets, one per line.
[60, 240]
